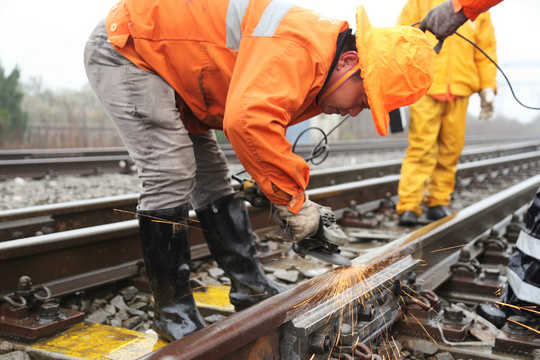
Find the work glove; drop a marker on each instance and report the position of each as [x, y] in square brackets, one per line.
[442, 21]
[487, 96]
[254, 195]
[295, 227]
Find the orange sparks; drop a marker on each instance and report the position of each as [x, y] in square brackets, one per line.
[449, 248]
[349, 287]
[517, 307]
[198, 288]
[427, 333]
[525, 326]
[156, 219]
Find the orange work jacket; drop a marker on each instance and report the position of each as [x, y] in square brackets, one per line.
[460, 69]
[249, 67]
[473, 8]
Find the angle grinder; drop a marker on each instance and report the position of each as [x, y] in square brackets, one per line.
[324, 245]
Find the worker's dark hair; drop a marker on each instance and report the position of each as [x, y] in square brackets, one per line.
[350, 45]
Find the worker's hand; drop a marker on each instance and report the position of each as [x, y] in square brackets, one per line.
[442, 21]
[487, 96]
[253, 195]
[295, 227]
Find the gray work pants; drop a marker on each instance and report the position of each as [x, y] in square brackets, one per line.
[175, 167]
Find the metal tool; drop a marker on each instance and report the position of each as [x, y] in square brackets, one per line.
[251, 192]
[324, 245]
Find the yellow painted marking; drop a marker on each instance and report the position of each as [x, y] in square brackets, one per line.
[215, 297]
[96, 341]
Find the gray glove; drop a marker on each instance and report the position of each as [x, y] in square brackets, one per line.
[295, 227]
[487, 96]
[442, 21]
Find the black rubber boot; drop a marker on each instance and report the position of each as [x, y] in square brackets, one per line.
[227, 230]
[437, 212]
[408, 218]
[167, 256]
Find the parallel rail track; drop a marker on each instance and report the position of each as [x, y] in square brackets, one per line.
[108, 240]
[79, 214]
[39, 163]
[317, 319]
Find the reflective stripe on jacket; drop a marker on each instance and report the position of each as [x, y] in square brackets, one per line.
[524, 265]
[459, 67]
[249, 67]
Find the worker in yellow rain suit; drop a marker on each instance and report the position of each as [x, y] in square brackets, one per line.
[437, 121]
[521, 295]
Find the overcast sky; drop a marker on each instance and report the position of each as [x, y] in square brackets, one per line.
[46, 40]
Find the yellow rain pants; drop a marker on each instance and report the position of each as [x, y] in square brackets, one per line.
[436, 139]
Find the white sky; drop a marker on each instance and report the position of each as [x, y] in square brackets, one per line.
[46, 40]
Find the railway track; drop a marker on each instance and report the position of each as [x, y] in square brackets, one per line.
[327, 316]
[23, 222]
[313, 320]
[107, 227]
[39, 163]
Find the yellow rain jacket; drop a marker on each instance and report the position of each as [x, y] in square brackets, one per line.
[453, 69]
[437, 125]
[247, 67]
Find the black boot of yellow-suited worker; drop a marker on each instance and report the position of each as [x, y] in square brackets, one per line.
[227, 230]
[167, 256]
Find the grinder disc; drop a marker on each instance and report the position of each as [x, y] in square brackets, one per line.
[330, 257]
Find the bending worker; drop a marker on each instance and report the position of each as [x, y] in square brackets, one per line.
[438, 120]
[521, 296]
[169, 72]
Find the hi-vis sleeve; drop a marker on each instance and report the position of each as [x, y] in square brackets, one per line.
[473, 8]
[262, 102]
[280, 69]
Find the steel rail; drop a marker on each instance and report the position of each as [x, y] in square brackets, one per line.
[256, 329]
[92, 212]
[80, 161]
[17, 154]
[362, 145]
[87, 165]
[85, 256]
[119, 242]
[73, 248]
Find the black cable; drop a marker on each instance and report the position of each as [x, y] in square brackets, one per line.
[493, 61]
[319, 149]
[502, 72]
